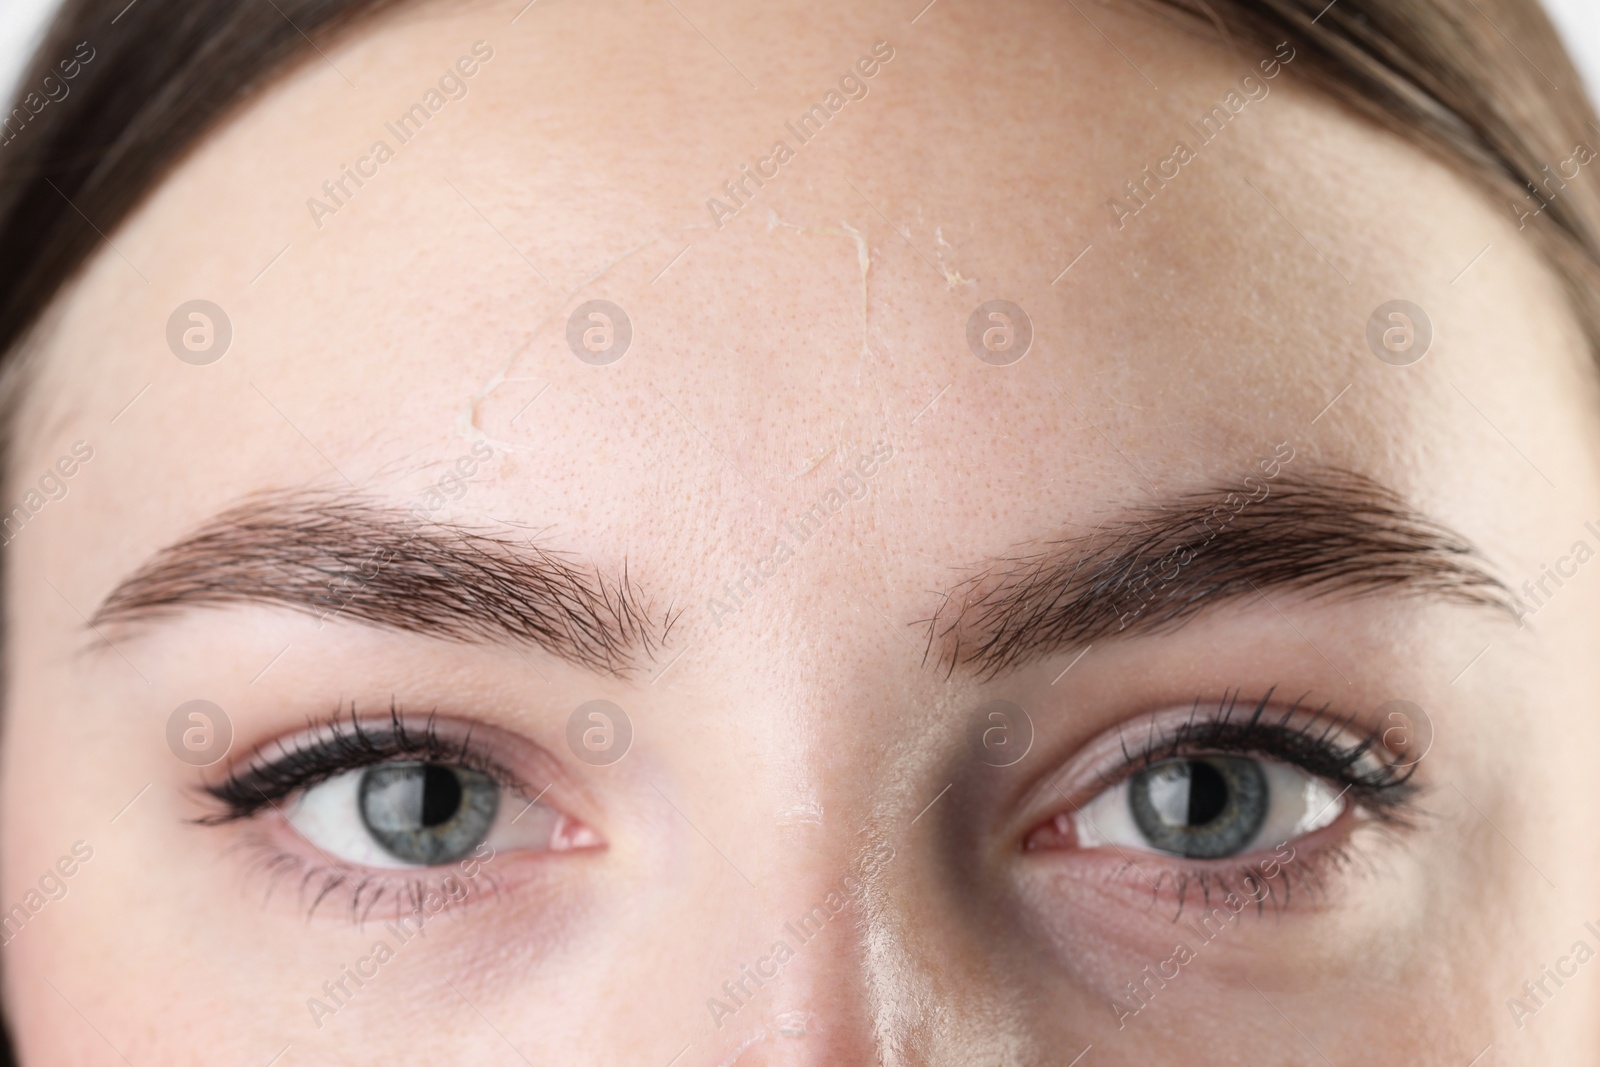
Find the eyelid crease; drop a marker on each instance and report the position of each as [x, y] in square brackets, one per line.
[467, 883]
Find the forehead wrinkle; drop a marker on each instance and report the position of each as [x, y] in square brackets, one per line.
[332, 554]
[1325, 531]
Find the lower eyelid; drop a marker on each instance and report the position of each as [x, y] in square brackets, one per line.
[279, 868]
[281, 863]
[1295, 875]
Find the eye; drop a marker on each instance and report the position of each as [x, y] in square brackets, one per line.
[1229, 780]
[416, 813]
[1208, 806]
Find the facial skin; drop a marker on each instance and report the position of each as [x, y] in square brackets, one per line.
[808, 742]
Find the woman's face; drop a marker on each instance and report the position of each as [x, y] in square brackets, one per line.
[1156, 695]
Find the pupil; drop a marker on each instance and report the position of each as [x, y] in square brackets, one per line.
[1204, 807]
[1208, 793]
[427, 813]
[441, 795]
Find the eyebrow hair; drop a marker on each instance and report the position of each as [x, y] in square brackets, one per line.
[330, 554]
[1155, 566]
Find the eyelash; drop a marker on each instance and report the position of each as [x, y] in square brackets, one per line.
[339, 744]
[1384, 790]
[1312, 746]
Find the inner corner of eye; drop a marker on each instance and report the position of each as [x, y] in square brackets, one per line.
[1060, 832]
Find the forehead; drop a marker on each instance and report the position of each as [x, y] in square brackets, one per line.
[402, 234]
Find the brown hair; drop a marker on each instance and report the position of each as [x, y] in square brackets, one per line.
[1484, 84]
[160, 74]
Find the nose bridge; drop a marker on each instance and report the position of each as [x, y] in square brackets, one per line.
[796, 985]
[801, 999]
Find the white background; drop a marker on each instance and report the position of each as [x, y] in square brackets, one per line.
[22, 21]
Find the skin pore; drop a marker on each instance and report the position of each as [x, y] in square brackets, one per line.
[803, 739]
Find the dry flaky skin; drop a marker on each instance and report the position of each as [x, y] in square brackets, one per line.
[805, 752]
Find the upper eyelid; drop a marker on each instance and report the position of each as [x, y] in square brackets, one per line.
[388, 742]
[1377, 782]
[1118, 753]
[1213, 738]
[1318, 731]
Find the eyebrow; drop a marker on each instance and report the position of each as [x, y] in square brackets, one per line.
[333, 555]
[1155, 566]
